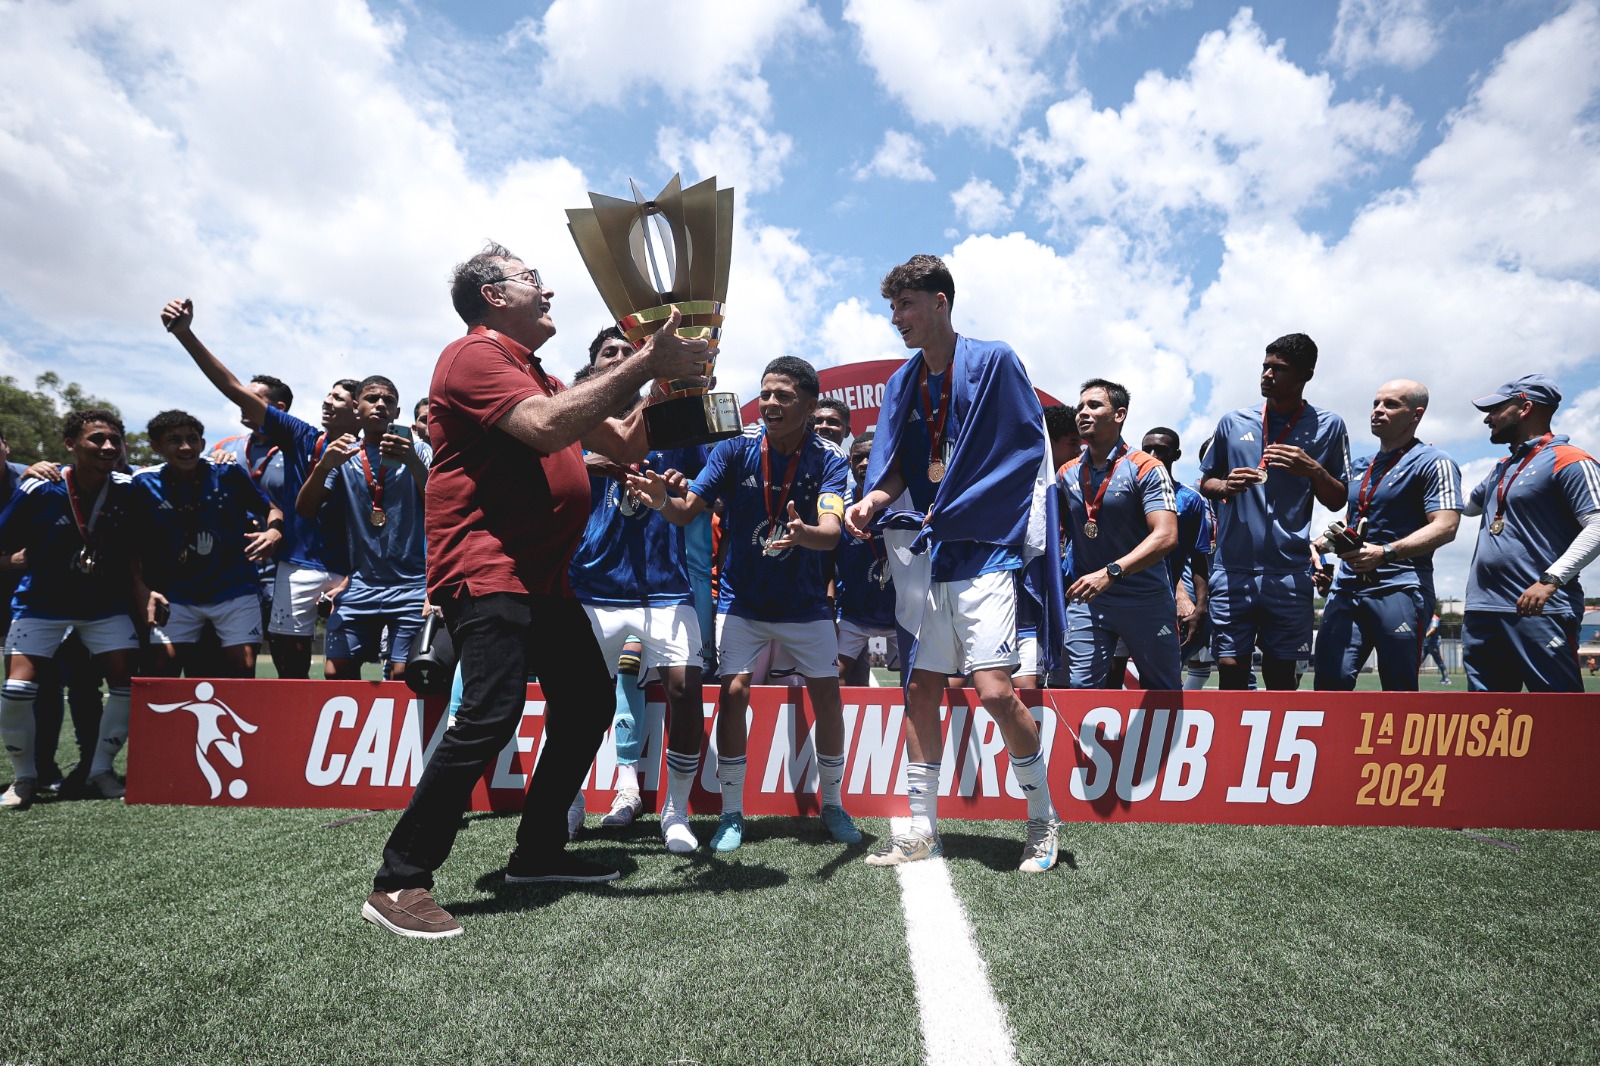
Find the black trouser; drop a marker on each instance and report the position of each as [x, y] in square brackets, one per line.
[502, 638]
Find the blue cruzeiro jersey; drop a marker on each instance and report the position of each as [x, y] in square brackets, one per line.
[1267, 527]
[388, 563]
[191, 531]
[317, 543]
[788, 587]
[955, 560]
[1545, 507]
[1139, 486]
[39, 520]
[1422, 480]
[630, 556]
[1197, 537]
[263, 460]
[864, 589]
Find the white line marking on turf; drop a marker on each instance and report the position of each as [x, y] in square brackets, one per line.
[961, 1020]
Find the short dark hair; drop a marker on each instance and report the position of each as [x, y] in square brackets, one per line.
[350, 385]
[1061, 421]
[376, 379]
[584, 373]
[277, 391]
[1165, 432]
[920, 273]
[72, 425]
[1299, 350]
[610, 333]
[1118, 394]
[833, 403]
[416, 408]
[167, 421]
[797, 370]
[864, 439]
[469, 278]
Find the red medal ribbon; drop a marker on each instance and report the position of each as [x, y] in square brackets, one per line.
[85, 529]
[1281, 436]
[1504, 486]
[1092, 507]
[257, 471]
[766, 484]
[1365, 494]
[318, 448]
[376, 485]
[936, 429]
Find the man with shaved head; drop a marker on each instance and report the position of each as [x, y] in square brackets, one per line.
[1406, 501]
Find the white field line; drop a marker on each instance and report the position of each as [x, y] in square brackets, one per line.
[962, 1024]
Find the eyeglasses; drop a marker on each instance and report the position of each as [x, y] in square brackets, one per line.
[533, 278]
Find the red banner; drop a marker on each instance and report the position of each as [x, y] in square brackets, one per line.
[1433, 759]
[861, 386]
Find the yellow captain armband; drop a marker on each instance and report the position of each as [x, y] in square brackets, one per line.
[830, 503]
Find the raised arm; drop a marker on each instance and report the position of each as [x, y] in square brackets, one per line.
[178, 317]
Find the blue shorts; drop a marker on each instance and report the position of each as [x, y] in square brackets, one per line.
[360, 636]
[1150, 629]
[1355, 623]
[1503, 652]
[1269, 611]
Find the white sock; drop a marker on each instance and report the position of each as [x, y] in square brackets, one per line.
[830, 772]
[730, 773]
[922, 787]
[681, 769]
[627, 776]
[1031, 772]
[113, 730]
[17, 726]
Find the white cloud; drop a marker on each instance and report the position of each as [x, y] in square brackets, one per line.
[958, 65]
[706, 53]
[900, 156]
[855, 332]
[981, 205]
[739, 152]
[1396, 33]
[1205, 142]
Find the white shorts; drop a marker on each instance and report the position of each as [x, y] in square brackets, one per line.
[1027, 657]
[294, 599]
[40, 638]
[669, 636]
[853, 642]
[740, 641]
[237, 621]
[969, 625]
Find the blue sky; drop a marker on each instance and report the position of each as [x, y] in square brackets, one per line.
[1148, 190]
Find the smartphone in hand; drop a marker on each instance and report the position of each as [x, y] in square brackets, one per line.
[399, 430]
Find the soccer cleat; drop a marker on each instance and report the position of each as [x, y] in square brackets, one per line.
[575, 817]
[1444, 680]
[104, 785]
[908, 848]
[19, 797]
[676, 832]
[729, 834]
[413, 914]
[840, 826]
[1039, 853]
[556, 867]
[624, 809]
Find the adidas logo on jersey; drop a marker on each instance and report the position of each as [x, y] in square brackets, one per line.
[1166, 631]
[1404, 627]
[165, 505]
[1004, 648]
[1249, 434]
[1555, 642]
[1304, 648]
[750, 482]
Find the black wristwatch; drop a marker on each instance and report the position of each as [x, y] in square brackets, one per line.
[1113, 570]
[1547, 578]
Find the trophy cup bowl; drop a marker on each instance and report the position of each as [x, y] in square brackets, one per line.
[647, 257]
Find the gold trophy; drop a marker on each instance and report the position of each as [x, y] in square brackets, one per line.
[647, 256]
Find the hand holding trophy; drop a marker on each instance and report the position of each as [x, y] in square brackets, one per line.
[649, 258]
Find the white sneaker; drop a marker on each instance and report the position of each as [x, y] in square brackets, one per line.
[575, 817]
[624, 809]
[675, 830]
[1039, 853]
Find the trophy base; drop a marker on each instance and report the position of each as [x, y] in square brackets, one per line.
[688, 420]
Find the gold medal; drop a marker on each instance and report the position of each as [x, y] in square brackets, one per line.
[377, 517]
[767, 546]
[1091, 529]
[936, 471]
[86, 561]
[1496, 526]
[183, 556]
[883, 578]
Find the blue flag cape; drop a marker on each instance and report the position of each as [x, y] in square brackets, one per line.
[997, 484]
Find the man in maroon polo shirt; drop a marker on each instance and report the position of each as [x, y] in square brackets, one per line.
[507, 500]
